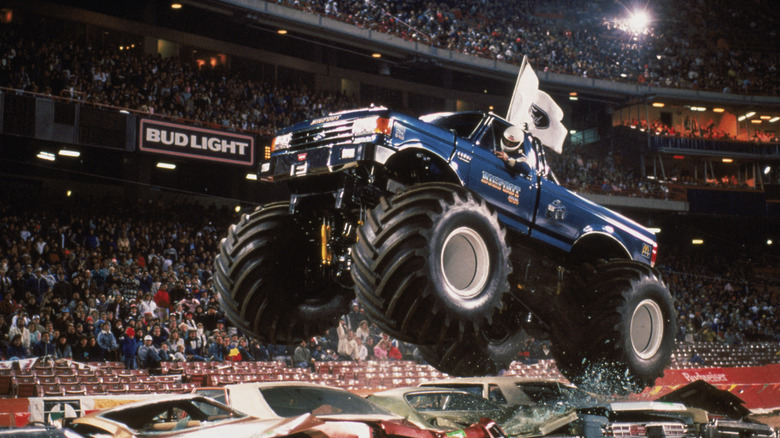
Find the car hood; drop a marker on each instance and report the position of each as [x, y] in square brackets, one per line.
[360, 417]
[703, 395]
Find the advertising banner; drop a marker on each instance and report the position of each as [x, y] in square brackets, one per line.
[193, 142]
[758, 387]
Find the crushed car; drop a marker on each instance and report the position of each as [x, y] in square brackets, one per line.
[191, 416]
[510, 391]
[437, 408]
[279, 400]
[726, 415]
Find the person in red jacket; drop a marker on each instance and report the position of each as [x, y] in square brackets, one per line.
[163, 301]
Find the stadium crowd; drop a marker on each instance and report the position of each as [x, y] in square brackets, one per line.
[40, 59]
[134, 285]
[131, 281]
[687, 44]
[64, 65]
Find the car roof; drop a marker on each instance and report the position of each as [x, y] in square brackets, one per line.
[495, 380]
[156, 400]
[418, 390]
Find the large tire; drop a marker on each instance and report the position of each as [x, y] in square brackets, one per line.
[626, 330]
[263, 275]
[482, 355]
[431, 264]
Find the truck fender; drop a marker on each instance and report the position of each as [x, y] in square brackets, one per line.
[413, 152]
[599, 243]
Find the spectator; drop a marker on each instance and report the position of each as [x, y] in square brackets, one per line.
[62, 350]
[179, 355]
[107, 341]
[16, 350]
[148, 356]
[360, 353]
[129, 348]
[20, 329]
[258, 351]
[81, 350]
[193, 347]
[302, 356]
[44, 347]
[217, 349]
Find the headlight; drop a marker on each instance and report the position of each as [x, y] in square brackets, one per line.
[281, 142]
[372, 125]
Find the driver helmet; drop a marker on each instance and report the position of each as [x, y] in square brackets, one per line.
[513, 137]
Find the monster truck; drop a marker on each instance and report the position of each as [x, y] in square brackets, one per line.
[445, 247]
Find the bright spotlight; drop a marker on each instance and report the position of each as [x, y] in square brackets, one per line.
[638, 21]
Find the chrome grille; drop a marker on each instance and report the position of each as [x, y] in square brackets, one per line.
[338, 132]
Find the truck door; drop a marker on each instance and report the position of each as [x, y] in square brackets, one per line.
[512, 193]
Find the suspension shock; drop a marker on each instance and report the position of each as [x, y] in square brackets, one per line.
[325, 236]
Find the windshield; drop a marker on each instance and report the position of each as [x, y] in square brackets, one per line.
[172, 415]
[462, 124]
[291, 401]
[554, 394]
[216, 394]
[449, 401]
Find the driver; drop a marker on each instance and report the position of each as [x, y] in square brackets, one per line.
[511, 152]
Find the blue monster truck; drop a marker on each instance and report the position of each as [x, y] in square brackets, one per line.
[447, 248]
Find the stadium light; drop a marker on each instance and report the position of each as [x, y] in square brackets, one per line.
[175, 5]
[769, 242]
[697, 241]
[69, 153]
[638, 21]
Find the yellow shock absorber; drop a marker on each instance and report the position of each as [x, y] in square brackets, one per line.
[327, 256]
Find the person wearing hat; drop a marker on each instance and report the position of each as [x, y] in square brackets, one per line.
[129, 347]
[193, 347]
[147, 356]
[511, 152]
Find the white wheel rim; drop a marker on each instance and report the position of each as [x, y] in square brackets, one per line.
[647, 329]
[465, 263]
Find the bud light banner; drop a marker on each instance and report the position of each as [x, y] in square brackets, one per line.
[199, 143]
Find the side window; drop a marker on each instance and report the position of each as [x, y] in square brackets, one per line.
[491, 138]
[488, 140]
[496, 395]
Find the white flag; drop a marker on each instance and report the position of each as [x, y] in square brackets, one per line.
[526, 88]
[546, 123]
[536, 110]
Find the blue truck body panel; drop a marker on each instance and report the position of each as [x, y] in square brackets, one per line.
[463, 146]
